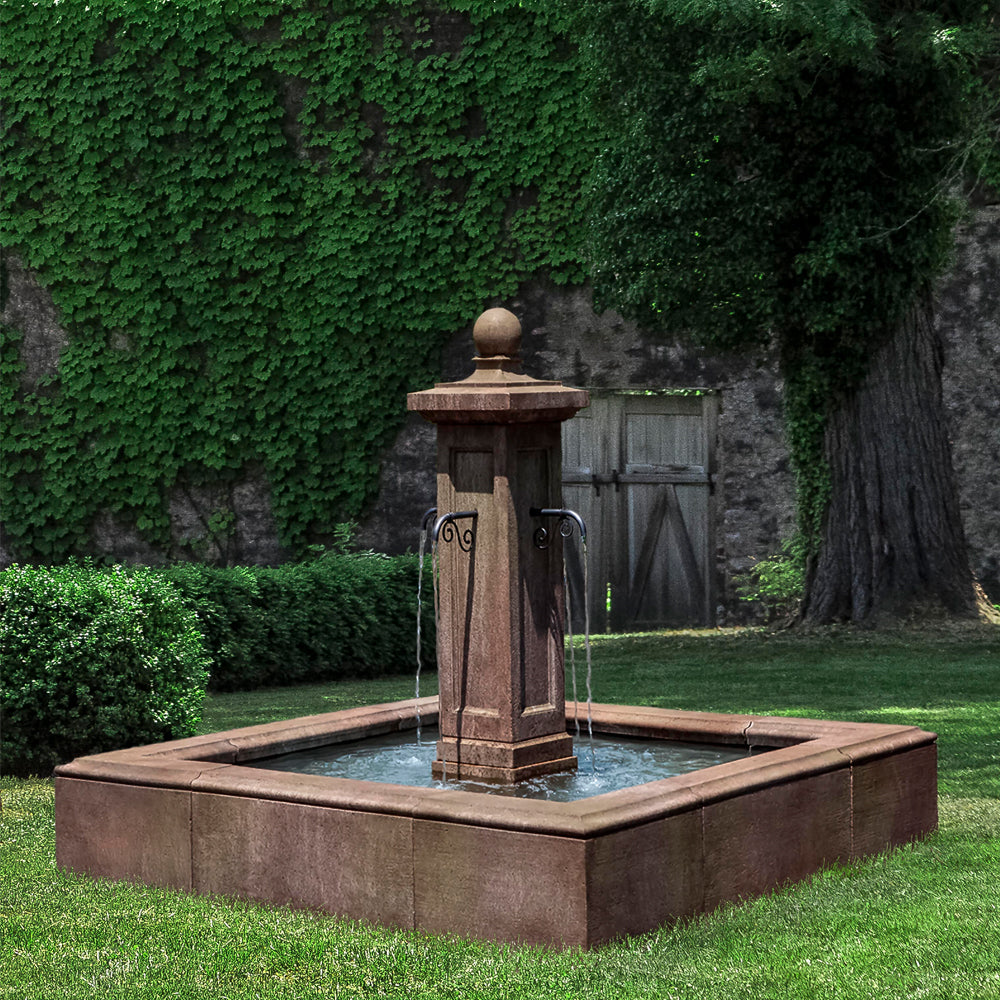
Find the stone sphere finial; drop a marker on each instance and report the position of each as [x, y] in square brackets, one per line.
[497, 333]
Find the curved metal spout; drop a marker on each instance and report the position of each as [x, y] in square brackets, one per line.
[429, 515]
[446, 523]
[565, 528]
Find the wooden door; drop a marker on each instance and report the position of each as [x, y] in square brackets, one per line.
[638, 467]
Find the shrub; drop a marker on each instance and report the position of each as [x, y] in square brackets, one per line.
[93, 660]
[231, 618]
[338, 615]
[776, 582]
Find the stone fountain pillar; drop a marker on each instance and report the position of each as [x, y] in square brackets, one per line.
[500, 624]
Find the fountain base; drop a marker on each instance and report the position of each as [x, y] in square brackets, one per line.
[189, 815]
[505, 763]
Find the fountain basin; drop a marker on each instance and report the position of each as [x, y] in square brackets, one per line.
[607, 764]
[190, 815]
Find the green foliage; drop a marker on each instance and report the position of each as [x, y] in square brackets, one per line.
[781, 167]
[260, 220]
[777, 582]
[786, 173]
[92, 661]
[809, 386]
[337, 616]
[227, 603]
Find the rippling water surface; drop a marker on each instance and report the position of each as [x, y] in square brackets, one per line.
[606, 764]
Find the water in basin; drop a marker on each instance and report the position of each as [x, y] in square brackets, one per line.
[608, 764]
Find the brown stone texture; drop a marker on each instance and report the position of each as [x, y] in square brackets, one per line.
[810, 820]
[895, 800]
[499, 884]
[501, 610]
[309, 856]
[645, 876]
[188, 815]
[124, 831]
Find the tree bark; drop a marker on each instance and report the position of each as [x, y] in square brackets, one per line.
[893, 545]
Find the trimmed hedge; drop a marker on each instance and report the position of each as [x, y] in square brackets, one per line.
[93, 660]
[97, 659]
[228, 606]
[340, 615]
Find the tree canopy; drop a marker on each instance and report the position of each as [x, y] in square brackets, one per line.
[788, 172]
[784, 165]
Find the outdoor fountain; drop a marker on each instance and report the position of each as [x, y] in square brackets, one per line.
[195, 814]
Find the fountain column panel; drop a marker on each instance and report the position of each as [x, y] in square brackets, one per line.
[501, 602]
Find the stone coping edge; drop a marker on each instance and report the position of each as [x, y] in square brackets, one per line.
[798, 749]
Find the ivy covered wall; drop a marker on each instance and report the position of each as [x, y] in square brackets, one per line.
[254, 224]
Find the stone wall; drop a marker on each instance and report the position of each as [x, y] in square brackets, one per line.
[565, 339]
[225, 521]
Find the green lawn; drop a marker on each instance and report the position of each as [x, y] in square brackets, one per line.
[922, 922]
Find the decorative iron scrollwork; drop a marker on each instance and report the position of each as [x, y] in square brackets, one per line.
[444, 527]
[567, 518]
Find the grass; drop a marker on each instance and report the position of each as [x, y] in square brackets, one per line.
[921, 922]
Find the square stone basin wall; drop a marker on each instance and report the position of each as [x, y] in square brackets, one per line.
[188, 815]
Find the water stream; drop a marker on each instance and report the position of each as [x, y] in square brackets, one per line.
[420, 590]
[572, 652]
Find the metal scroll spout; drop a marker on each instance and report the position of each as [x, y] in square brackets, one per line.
[444, 527]
[566, 520]
[430, 516]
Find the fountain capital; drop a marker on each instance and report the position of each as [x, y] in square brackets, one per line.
[497, 392]
[497, 334]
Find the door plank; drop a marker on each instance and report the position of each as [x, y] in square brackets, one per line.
[639, 470]
[692, 568]
[650, 541]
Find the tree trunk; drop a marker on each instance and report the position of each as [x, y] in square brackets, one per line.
[893, 545]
